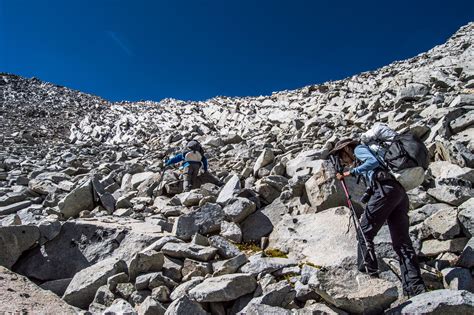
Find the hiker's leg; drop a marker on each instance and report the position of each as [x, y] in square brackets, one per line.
[194, 175]
[376, 212]
[187, 178]
[398, 223]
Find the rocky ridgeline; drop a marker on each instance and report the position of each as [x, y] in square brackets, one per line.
[89, 220]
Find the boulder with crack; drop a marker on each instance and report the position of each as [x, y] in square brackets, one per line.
[353, 291]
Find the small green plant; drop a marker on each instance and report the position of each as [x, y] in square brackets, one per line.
[273, 252]
[249, 247]
[308, 263]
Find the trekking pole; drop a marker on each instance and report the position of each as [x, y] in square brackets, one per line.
[340, 169]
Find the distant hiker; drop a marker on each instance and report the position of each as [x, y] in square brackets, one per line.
[386, 201]
[193, 158]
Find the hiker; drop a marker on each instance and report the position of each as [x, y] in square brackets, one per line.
[386, 201]
[193, 158]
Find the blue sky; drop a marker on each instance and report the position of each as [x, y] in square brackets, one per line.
[197, 49]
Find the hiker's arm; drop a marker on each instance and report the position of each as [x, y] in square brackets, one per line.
[175, 159]
[204, 163]
[369, 162]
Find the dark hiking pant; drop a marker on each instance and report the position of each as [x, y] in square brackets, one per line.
[190, 176]
[391, 205]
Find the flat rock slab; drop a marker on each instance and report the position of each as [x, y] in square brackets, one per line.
[320, 238]
[13, 208]
[258, 264]
[353, 291]
[224, 288]
[437, 302]
[193, 251]
[19, 296]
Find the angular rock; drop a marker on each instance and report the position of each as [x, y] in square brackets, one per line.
[265, 158]
[324, 191]
[231, 231]
[193, 268]
[237, 209]
[190, 199]
[443, 224]
[445, 169]
[223, 267]
[466, 216]
[262, 222]
[453, 195]
[153, 280]
[145, 261]
[104, 296]
[231, 188]
[81, 198]
[85, 283]
[172, 268]
[184, 305]
[205, 220]
[120, 306]
[223, 288]
[466, 259]
[435, 247]
[139, 178]
[15, 207]
[353, 291]
[193, 251]
[151, 307]
[225, 249]
[437, 302]
[184, 287]
[58, 287]
[419, 215]
[14, 240]
[279, 294]
[258, 264]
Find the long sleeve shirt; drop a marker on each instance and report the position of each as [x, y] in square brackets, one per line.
[180, 157]
[369, 163]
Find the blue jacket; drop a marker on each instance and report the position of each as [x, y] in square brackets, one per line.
[180, 157]
[369, 163]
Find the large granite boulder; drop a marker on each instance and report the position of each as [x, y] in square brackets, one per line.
[320, 238]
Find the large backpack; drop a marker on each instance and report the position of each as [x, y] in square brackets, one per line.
[403, 155]
[193, 152]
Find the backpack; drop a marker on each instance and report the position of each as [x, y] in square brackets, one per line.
[405, 156]
[194, 152]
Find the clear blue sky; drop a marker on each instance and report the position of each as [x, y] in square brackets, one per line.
[196, 49]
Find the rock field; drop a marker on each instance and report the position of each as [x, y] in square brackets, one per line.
[92, 223]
